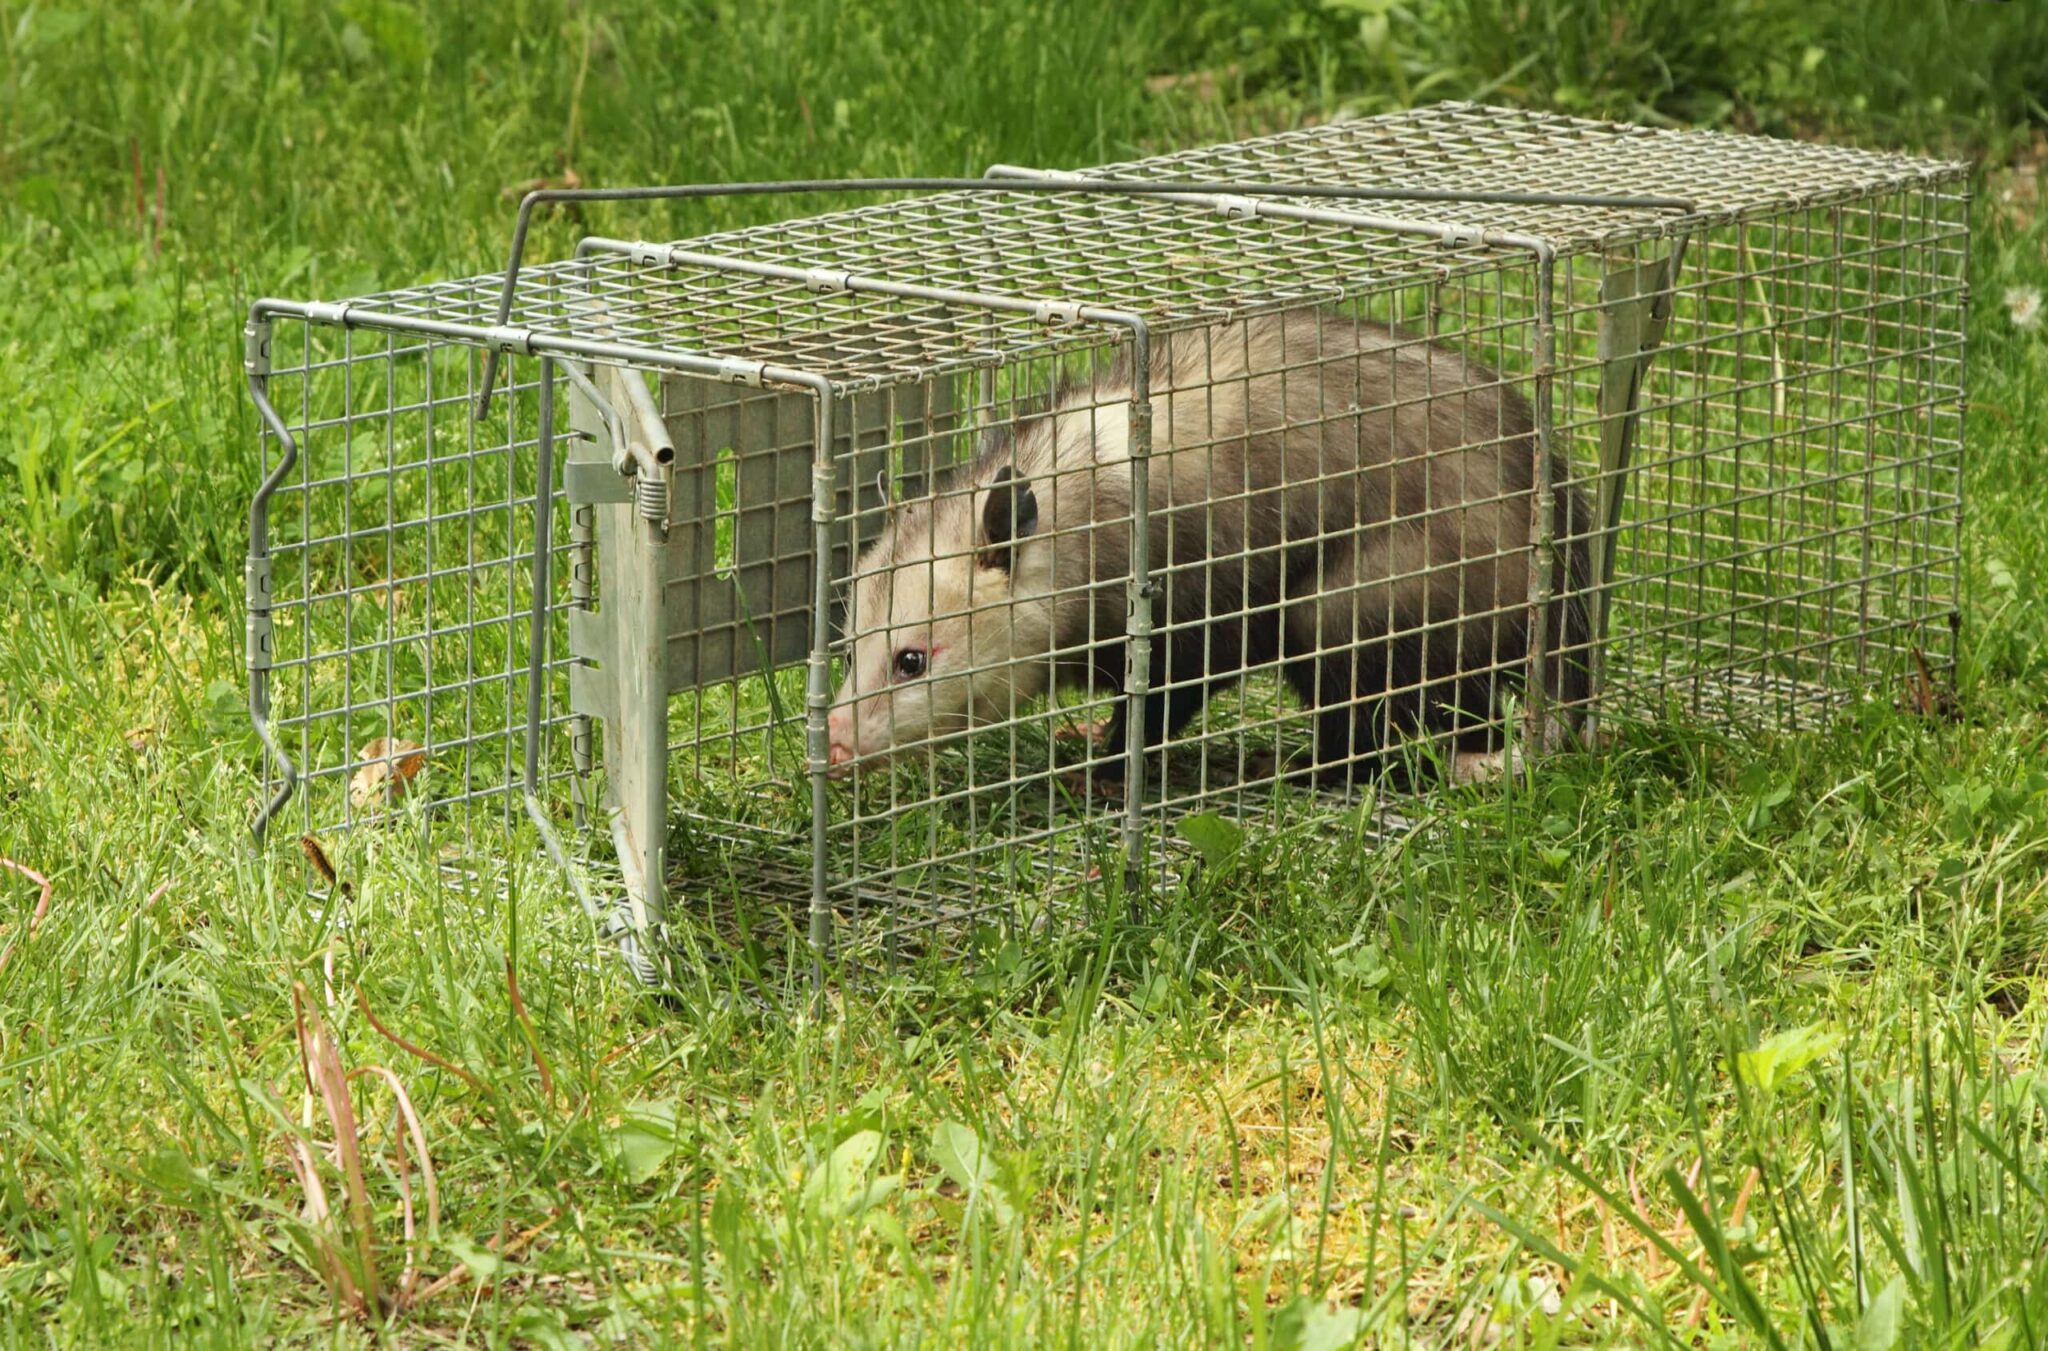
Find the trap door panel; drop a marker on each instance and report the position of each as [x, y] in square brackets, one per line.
[737, 563]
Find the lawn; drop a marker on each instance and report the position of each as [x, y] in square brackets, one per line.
[1703, 1040]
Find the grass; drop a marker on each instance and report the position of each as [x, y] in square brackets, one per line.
[1713, 1040]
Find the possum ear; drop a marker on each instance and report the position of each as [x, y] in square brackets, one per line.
[1010, 513]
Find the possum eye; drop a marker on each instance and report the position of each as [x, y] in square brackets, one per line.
[910, 663]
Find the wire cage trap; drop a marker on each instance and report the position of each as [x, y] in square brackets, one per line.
[889, 571]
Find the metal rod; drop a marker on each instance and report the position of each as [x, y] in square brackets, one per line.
[1138, 602]
[1962, 442]
[529, 343]
[582, 596]
[256, 567]
[543, 538]
[614, 426]
[1017, 183]
[818, 676]
[1543, 506]
[1351, 193]
[642, 669]
[1051, 311]
[537, 637]
[1237, 203]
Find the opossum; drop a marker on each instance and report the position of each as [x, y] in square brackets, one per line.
[1327, 498]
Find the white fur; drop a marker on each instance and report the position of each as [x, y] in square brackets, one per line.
[989, 630]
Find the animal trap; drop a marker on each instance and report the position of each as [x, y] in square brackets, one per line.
[886, 572]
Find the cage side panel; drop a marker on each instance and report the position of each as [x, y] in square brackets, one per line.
[1788, 535]
[401, 551]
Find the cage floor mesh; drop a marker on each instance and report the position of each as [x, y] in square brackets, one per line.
[752, 882]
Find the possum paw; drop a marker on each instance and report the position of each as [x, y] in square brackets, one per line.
[1484, 766]
[1090, 734]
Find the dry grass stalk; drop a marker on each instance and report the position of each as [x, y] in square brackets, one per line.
[35, 919]
[356, 1284]
[363, 1003]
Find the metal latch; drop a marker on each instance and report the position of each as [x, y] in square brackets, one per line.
[256, 347]
[585, 481]
[256, 594]
[736, 371]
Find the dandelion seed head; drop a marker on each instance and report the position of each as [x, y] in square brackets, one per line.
[2023, 307]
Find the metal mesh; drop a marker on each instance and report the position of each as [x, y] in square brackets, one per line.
[1421, 501]
[1171, 261]
[1317, 480]
[399, 573]
[1791, 518]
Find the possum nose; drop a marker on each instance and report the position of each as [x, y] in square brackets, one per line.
[839, 758]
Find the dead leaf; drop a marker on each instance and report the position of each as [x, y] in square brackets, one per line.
[388, 766]
[42, 904]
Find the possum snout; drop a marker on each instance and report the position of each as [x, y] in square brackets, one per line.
[915, 712]
[873, 730]
[940, 639]
[839, 728]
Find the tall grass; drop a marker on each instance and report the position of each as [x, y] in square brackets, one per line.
[1705, 1041]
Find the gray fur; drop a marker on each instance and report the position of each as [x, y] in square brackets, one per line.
[1325, 495]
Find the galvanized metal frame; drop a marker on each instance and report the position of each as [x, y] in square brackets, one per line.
[638, 809]
[627, 483]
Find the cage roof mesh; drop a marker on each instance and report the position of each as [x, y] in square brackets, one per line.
[1175, 262]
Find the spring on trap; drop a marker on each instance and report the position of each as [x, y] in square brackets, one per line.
[650, 497]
